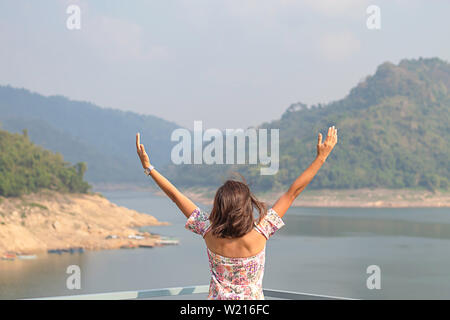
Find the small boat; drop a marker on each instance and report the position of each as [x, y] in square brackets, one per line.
[7, 259]
[54, 251]
[76, 250]
[9, 256]
[167, 241]
[146, 246]
[27, 256]
[129, 246]
[137, 237]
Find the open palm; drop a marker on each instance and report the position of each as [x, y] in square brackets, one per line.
[141, 152]
[324, 149]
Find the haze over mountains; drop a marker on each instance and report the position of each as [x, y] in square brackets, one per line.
[393, 133]
[81, 131]
[393, 130]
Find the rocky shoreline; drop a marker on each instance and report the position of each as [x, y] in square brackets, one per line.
[50, 221]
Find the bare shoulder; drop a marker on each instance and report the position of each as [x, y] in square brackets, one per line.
[246, 246]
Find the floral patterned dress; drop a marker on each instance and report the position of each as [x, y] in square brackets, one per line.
[235, 278]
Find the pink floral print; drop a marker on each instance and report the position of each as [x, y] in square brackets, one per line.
[198, 222]
[236, 278]
[270, 224]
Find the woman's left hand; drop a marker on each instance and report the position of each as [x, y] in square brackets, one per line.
[141, 152]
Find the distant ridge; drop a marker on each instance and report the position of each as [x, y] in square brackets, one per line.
[82, 131]
[393, 133]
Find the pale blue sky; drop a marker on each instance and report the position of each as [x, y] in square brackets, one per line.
[230, 63]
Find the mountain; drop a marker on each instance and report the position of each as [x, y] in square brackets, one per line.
[83, 132]
[26, 168]
[393, 130]
[393, 133]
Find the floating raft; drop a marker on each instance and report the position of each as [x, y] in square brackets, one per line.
[66, 250]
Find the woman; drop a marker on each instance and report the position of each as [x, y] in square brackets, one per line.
[235, 240]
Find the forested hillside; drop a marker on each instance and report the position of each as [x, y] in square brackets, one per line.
[26, 168]
[393, 133]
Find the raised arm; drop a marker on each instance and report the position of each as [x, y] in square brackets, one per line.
[323, 150]
[183, 203]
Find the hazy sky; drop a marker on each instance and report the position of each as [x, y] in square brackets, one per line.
[230, 63]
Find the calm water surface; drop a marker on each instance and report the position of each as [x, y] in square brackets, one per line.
[320, 250]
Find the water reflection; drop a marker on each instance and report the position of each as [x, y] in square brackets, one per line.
[39, 277]
[338, 226]
[320, 250]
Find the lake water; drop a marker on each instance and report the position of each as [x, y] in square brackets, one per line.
[320, 250]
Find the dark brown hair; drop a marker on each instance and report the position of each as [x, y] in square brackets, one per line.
[232, 212]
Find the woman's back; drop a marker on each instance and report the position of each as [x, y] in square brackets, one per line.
[246, 246]
[236, 264]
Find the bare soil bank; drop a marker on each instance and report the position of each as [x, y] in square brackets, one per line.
[49, 220]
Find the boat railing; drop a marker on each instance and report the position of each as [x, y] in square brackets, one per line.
[189, 290]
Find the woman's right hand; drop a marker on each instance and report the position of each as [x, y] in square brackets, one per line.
[141, 152]
[324, 149]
